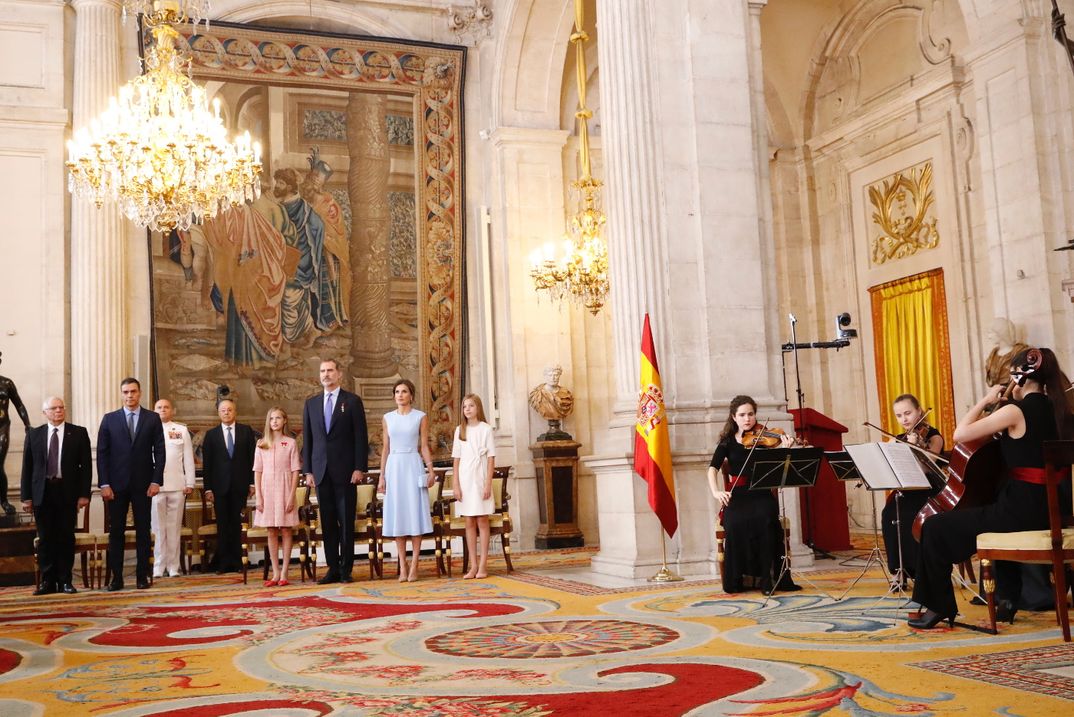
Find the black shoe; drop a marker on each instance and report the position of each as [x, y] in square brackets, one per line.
[786, 585]
[114, 586]
[68, 589]
[929, 620]
[143, 584]
[1005, 611]
[328, 578]
[45, 588]
[346, 578]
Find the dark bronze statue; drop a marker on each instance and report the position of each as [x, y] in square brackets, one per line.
[8, 393]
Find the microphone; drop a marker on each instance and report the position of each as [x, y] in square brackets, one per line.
[793, 320]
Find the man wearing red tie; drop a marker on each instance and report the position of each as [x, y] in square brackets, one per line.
[335, 457]
[57, 473]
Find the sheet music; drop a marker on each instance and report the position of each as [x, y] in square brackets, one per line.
[907, 469]
[873, 466]
[888, 466]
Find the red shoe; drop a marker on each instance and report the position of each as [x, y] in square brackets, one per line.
[282, 581]
[271, 583]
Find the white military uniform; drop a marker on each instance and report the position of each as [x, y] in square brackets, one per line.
[170, 503]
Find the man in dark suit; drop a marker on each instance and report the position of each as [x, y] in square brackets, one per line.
[227, 461]
[57, 474]
[335, 456]
[130, 471]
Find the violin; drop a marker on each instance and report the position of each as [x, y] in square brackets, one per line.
[761, 437]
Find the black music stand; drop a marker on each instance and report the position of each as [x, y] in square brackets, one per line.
[845, 470]
[778, 468]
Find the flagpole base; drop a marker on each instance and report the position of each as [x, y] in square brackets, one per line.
[665, 576]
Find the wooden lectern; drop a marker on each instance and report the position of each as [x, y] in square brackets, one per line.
[825, 525]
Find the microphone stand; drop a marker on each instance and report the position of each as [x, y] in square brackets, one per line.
[793, 347]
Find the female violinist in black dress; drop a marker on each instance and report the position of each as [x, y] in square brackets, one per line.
[753, 544]
[898, 533]
[1039, 412]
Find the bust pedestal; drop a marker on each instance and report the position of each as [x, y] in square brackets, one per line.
[556, 465]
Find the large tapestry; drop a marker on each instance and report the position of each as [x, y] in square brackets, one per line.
[354, 249]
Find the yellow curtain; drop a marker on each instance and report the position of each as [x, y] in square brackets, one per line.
[913, 354]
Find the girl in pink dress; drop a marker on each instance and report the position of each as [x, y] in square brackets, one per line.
[276, 466]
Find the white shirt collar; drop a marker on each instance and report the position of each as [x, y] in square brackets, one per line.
[334, 393]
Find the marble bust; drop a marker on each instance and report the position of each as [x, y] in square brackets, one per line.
[553, 403]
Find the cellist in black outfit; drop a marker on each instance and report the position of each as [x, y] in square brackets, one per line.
[1039, 412]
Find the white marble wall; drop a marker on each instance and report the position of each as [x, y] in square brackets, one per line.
[982, 89]
[33, 295]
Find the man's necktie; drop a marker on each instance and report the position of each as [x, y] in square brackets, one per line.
[230, 443]
[52, 464]
[328, 413]
[130, 424]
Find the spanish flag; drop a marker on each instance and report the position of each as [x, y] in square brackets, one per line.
[652, 446]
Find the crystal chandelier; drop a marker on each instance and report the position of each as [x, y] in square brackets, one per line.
[158, 151]
[581, 273]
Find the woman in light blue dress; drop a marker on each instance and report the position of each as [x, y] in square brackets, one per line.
[406, 474]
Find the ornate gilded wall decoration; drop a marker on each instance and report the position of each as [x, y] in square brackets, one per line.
[345, 255]
[903, 215]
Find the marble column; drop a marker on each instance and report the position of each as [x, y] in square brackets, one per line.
[629, 532]
[801, 555]
[99, 346]
[367, 140]
[690, 243]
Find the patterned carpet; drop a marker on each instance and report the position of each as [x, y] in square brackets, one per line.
[521, 644]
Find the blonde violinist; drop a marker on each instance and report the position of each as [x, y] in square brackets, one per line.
[897, 518]
[753, 544]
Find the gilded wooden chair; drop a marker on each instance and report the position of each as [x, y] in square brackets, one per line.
[256, 538]
[365, 524]
[1054, 546]
[205, 533]
[311, 535]
[87, 548]
[499, 522]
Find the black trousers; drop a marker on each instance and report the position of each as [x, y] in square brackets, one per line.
[55, 519]
[229, 509]
[337, 501]
[948, 539]
[909, 504]
[136, 498]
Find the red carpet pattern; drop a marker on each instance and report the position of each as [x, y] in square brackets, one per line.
[521, 645]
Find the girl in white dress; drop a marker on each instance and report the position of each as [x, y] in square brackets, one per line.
[406, 473]
[474, 451]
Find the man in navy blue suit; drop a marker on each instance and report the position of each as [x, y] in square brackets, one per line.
[130, 471]
[335, 456]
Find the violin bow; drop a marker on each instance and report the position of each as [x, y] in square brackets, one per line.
[923, 451]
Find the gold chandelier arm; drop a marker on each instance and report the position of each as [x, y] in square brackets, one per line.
[578, 38]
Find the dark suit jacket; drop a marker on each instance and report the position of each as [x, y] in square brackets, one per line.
[223, 474]
[76, 464]
[345, 448]
[125, 464]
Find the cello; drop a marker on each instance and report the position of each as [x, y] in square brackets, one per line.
[976, 468]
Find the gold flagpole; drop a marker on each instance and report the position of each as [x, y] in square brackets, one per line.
[664, 575]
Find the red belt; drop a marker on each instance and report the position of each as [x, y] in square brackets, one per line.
[1034, 475]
